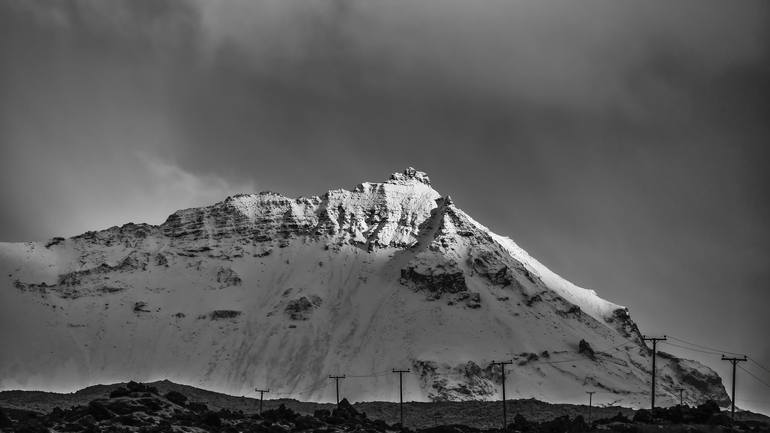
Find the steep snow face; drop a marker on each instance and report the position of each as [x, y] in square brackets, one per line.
[265, 290]
[586, 299]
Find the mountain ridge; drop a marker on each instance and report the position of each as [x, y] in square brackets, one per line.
[298, 288]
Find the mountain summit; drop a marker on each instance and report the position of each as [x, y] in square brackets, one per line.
[270, 291]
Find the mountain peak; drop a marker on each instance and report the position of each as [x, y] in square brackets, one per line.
[410, 175]
[389, 273]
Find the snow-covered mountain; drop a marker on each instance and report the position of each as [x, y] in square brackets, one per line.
[269, 291]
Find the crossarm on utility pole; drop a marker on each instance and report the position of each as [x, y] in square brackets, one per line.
[337, 383]
[261, 396]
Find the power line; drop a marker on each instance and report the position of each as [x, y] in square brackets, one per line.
[755, 377]
[312, 387]
[372, 374]
[709, 352]
[754, 401]
[562, 361]
[759, 365]
[621, 345]
[719, 351]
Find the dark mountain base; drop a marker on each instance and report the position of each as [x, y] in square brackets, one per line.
[165, 406]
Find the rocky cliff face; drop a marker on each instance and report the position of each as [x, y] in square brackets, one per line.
[266, 290]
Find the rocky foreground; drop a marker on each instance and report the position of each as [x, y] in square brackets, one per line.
[142, 408]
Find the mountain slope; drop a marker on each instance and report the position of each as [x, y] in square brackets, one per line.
[264, 290]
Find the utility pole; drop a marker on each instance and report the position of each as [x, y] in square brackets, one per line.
[337, 381]
[401, 392]
[261, 395]
[734, 361]
[681, 396]
[502, 365]
[590, 404]
[654, 349]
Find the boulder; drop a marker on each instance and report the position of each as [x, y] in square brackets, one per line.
[176, 397]
[345, 410]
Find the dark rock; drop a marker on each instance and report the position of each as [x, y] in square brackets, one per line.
[619, 417]
[211, 419]
[152, 404]
[563, 424]
[623, 323]
[120, 392]
[87, 421]
[586, 349]
[474, 300]
[621, 427]
[706, 410]
[573, 310]
[322, 413]
[33, 426]
[335, 420]
[176, 397]
[722, 419]
[526, 358]
[98, 411]
[197, 407]
[224, 314]
[140, 387]
[436, 278]
[304, 422]
[530, 300]
[123, 406]
[301, 308]
[520, 424]
[491, 266]
[4, 420]
[56, 414]
[161, 260]
[54, 241]
[643, 416]
[228, 277]
[345, 411]
[281, 413]
[446, 429]
[130, 420]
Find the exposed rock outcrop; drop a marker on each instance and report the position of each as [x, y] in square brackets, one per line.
[227, 277]
[302, 308]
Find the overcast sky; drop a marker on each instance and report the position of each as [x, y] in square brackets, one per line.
[623, 143]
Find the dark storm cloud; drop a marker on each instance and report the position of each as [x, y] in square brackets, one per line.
[623, 143]
[85, 115]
